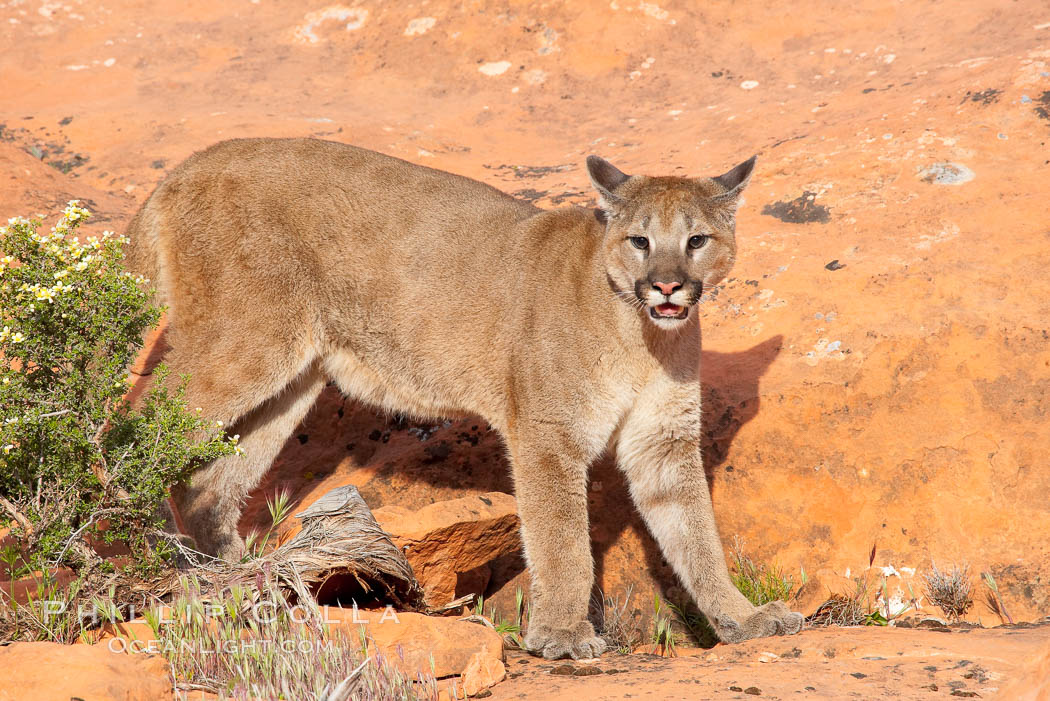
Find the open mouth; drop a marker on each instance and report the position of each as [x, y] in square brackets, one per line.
[668, 311]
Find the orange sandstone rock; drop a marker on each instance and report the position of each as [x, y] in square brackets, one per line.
[482, 672]
[423, 644]
[88, 672]
[448, 541]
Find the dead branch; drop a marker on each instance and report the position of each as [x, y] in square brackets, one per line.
[21, 520]
[339, 537]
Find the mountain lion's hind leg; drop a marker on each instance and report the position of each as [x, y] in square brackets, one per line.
[551, 489]
[210, 503]
[659, 451]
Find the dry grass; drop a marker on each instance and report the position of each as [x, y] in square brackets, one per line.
[842, 610]
[860, 607]
[994, 600]
[951, 590]
[247, 642]
[617, 623]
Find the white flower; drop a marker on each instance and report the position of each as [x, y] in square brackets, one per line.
[17, 337]
[8, 448]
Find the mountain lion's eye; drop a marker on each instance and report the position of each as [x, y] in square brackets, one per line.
[697, 241]
[640, 242]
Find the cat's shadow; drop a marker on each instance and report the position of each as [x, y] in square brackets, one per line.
[400, 461]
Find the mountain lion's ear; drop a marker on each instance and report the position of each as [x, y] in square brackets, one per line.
[606, 178]
[735, 180]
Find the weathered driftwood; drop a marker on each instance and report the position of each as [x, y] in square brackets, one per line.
[340, 536]
[339, 539]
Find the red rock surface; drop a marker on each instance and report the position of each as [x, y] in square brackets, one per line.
[864, 663]
[450, 544]
[876, 370]
[416, 643]
[482, 672]
[1032, 682]
[87, 672]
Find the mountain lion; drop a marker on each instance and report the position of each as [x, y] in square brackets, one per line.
[286, 263]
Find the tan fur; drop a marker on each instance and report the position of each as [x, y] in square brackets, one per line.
[286, 263]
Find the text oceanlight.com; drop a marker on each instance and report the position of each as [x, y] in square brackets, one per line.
[228, 647]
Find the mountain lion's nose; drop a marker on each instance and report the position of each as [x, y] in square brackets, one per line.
[667, 287]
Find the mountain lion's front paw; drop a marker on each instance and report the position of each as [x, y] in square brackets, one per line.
[772, 619]
[578, 642]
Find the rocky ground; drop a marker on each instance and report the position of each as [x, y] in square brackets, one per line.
[869, 663]
[837, 664]
[876, 370]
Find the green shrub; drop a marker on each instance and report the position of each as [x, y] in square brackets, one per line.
[78, 465]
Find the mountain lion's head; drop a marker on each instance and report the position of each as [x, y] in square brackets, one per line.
[667, 239]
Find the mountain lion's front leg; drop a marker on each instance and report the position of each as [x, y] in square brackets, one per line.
[550, 484]
[659, 450]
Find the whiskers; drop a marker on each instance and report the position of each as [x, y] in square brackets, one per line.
[630, 298]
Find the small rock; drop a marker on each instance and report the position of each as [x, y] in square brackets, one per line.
[736, 688]
[482, 671]
[835, 265]
[586, 671]
[565, 670]
[753, 690]
[965, 694]
[858, 675]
